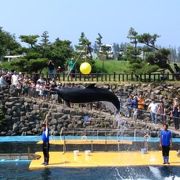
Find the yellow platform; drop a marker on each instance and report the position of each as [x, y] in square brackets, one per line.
[84, 141]
[104, 159]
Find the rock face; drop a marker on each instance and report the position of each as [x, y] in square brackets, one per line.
[24, 116]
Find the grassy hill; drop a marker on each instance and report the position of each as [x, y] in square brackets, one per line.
[111, 66]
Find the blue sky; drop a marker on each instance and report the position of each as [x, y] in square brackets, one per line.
[66, 19]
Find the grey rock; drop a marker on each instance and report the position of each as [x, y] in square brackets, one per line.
[14, 108]
[9, 104]
[57, 115]
[66, 111]
[31, 123]
[3, 133]
[35, 107]
[15, 119]
[13, 99]
[24, 128]
[9, 111]
[53, 121]
[8, 117]
[64, 117]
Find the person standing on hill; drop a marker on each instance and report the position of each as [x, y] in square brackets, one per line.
[135, 107]
[129, 106]
[141, 104]
[153, 108]
[51, 69]
[175, 114]
[71, 63]
[162, 112]
[165, 143]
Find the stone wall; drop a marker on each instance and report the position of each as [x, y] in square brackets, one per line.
[25, 115]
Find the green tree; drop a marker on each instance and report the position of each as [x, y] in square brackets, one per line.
[60, 51]
[133, 36]
[160, 58]
[156, 56]
[33, 65]
[83, 49]
[116, 50]
[33, 51]
[44, 46]
[178, 54]
[173, 54]
[8, 44]
[30, 39]
[153, 55]
[99, 44]
[148, 39]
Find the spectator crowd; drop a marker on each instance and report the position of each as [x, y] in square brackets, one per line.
[157, 109]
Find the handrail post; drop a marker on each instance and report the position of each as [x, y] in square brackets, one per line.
[105, 141]
[105, 77]
[64, 144]
[28, 152]
[58, 75]
[145, 77]
[79, 76]
[132, 76]
[154, 77]
[91, 145]
[149, 77]
[102, 77]
[63, 76]
[114, 76]
[92, 77]
[127, 77]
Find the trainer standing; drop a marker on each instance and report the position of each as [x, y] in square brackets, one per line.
[165, 143]
[45, 139]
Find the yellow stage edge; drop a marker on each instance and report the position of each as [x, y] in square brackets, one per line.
[89, 159]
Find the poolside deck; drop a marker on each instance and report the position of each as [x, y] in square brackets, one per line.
[104, 159]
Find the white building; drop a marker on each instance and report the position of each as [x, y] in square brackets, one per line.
[12, 57]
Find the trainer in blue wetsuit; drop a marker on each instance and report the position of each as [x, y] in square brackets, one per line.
[45, 145]
[165, 142]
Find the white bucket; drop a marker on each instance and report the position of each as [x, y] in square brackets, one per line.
[178, 153]
[87, 152]
[76, 152]
[144, 150]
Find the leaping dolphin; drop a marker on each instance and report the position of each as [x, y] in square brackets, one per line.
[88, 94]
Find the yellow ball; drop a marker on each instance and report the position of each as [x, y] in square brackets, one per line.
[85, 68]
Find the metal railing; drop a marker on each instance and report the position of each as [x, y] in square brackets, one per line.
[113, 77]
[104, 139]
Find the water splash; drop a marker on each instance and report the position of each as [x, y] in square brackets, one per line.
[61, 132]
[156, 172]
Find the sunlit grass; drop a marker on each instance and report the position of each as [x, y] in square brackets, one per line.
[111, 66]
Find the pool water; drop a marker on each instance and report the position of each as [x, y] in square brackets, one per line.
[18, 170]
[38, 138]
